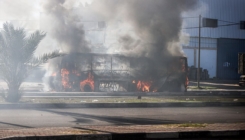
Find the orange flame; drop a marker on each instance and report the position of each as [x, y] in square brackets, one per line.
[89, 81]
[54, 74]
[65, 78]
[186, 81]
[76, 72]
[144, 86]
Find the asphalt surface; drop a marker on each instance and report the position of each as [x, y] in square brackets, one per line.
[32, 118]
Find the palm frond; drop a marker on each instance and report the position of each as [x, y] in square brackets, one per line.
[31, 45]
[44, 58]
[11, 43]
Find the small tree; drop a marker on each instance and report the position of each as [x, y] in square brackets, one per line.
[17, 57]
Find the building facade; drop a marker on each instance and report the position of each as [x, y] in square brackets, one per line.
[219, 46]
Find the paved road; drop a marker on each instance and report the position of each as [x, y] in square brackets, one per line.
[29, 118]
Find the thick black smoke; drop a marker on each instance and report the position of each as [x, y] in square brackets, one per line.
[67, 28]
[156, 23]
[155, 29]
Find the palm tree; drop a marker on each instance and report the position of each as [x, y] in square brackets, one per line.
[17, 57]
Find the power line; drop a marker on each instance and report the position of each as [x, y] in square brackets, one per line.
[227, 21]
[190, 28]
[228, 24]
[202, 42]
[189, 17]
[218, 26]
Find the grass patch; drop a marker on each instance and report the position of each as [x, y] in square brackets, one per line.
[192, 125]
[184, 125]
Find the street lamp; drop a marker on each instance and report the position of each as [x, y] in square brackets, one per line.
[206, 22]
[199, 51]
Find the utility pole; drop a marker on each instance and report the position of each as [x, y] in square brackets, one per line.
[199, 49]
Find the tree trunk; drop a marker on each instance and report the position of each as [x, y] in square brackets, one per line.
[13, 92]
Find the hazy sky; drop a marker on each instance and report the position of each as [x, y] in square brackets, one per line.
[29, 14]
[231, 11]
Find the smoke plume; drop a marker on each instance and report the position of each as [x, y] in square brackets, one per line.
[156, 25]
[67, 28]
[144, 28]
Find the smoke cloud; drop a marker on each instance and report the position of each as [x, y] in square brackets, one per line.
[133, 27]
[66, 27]
[156, 25]
[150, 28]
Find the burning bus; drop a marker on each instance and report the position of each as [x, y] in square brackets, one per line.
[89, 72]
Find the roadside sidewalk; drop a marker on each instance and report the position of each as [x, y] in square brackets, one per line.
[136, 132]
[217, 84]
[218, 87]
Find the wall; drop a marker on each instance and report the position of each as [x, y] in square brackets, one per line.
[227, 58]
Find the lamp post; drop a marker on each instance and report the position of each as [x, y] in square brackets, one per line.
[199, 51]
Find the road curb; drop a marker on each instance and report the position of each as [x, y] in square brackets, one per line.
[122, 105]
[143, 136]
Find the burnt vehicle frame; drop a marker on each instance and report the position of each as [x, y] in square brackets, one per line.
[112, 73]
